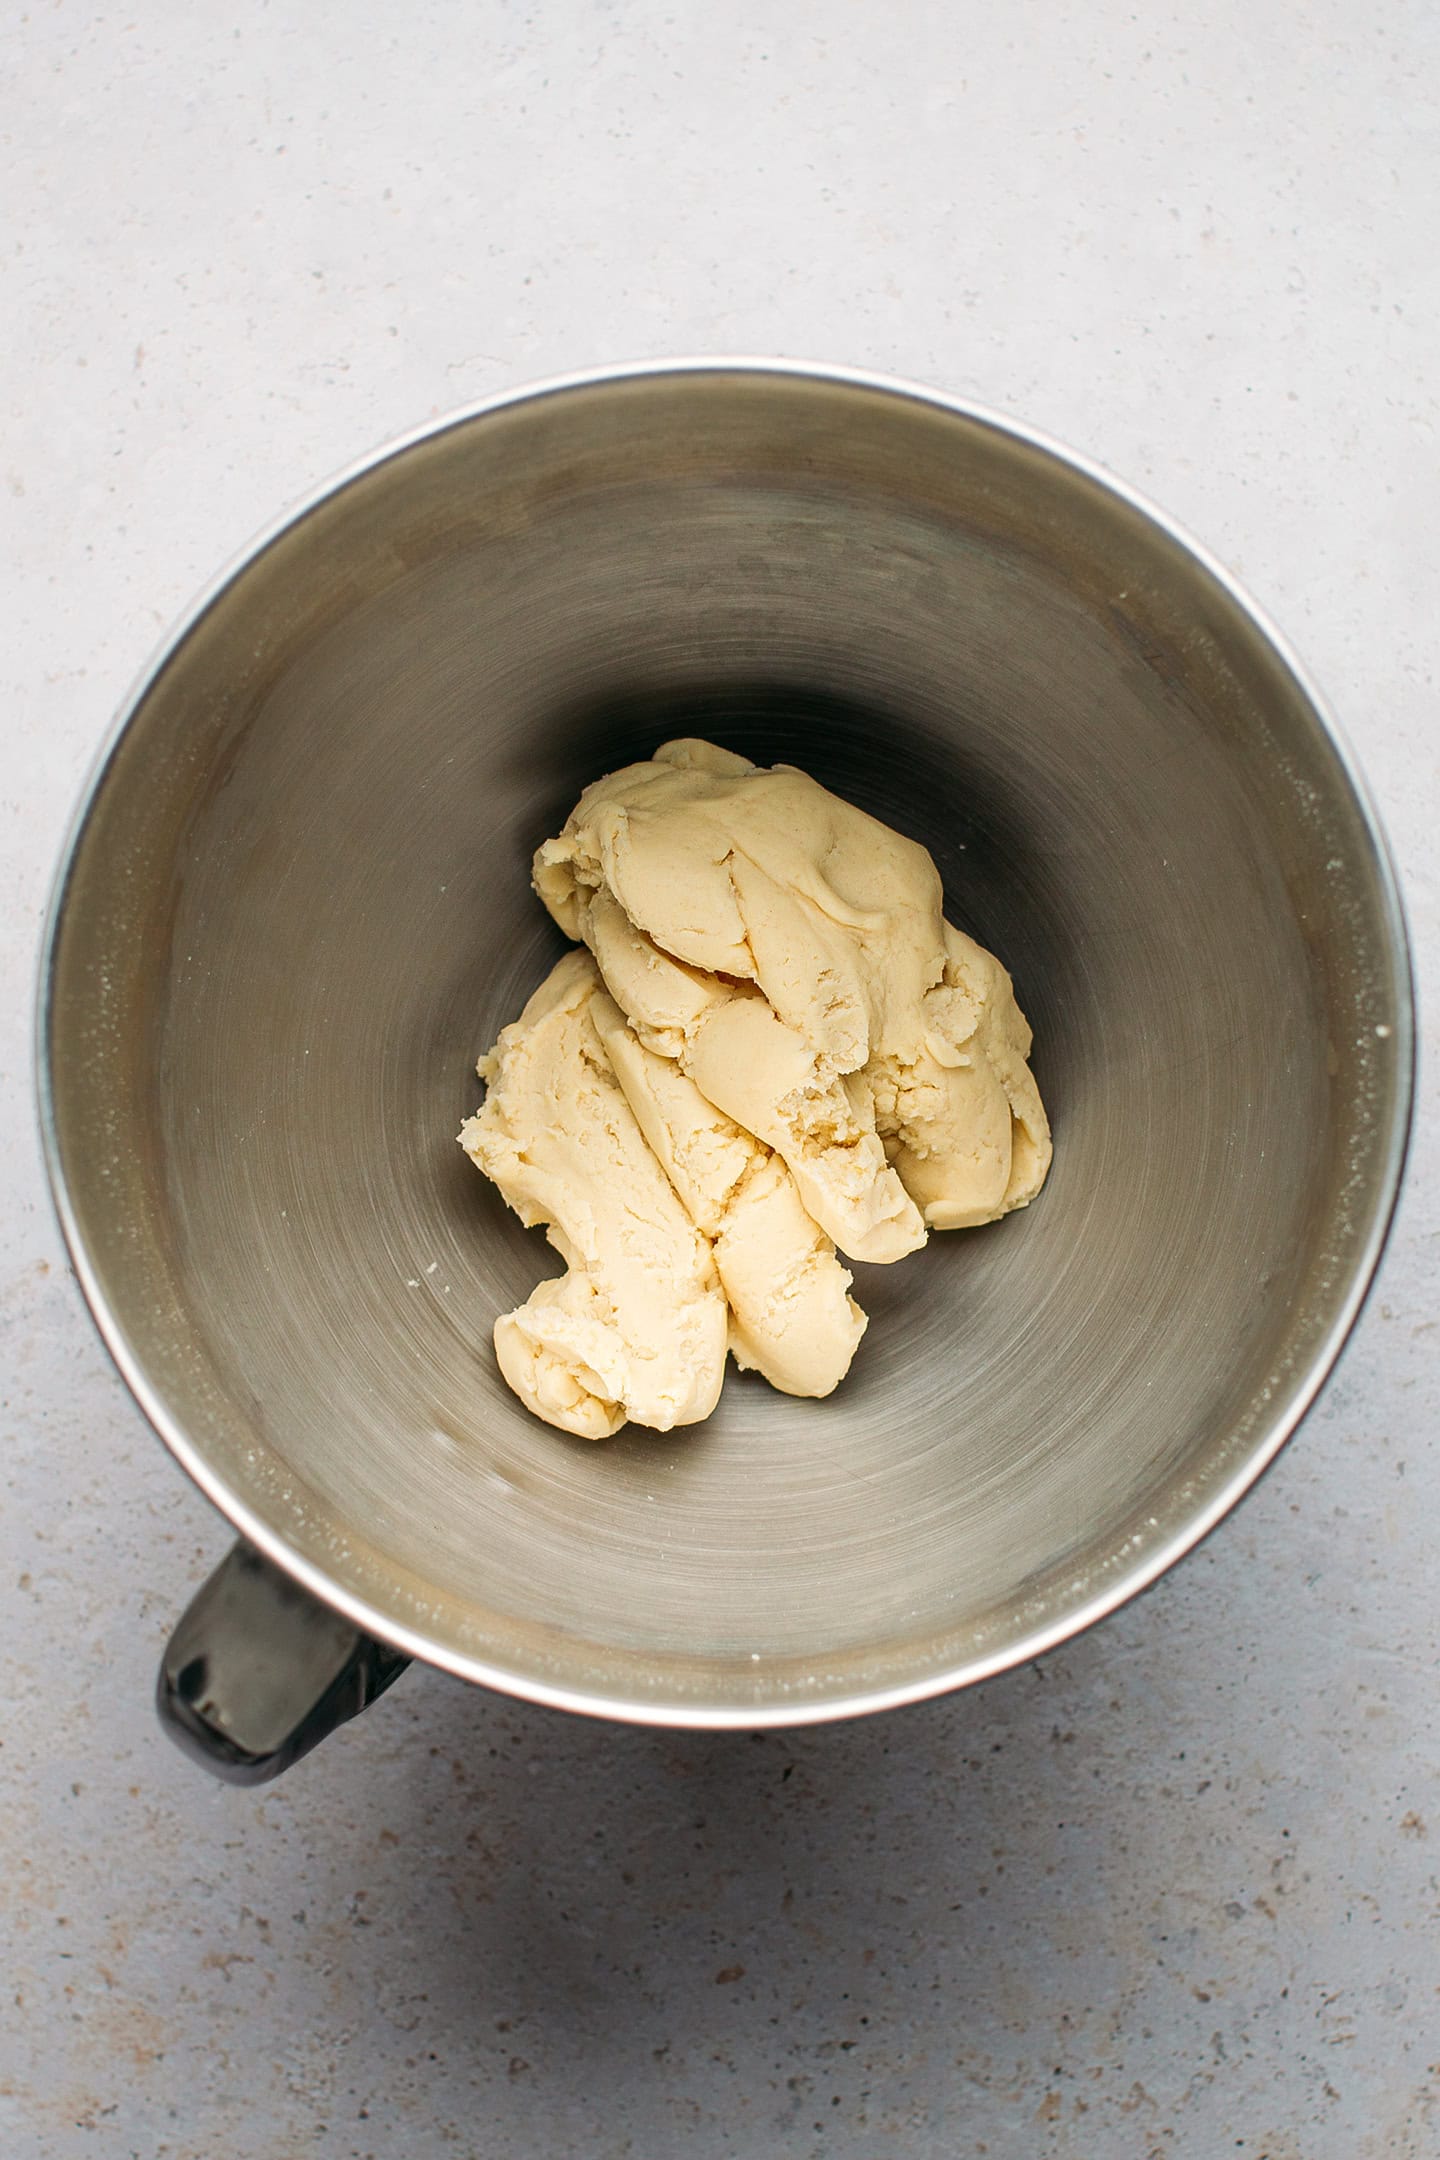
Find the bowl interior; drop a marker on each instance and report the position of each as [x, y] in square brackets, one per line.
[300, 908]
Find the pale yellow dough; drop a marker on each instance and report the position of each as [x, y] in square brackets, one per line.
[791, 1317]
[775, 1045]
[637, 1328]
[791, 953]
[725, 1037]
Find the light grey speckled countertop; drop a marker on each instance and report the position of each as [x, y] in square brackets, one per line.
[1172, 1892]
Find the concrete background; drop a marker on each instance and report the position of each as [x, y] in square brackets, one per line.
[1171, 1892]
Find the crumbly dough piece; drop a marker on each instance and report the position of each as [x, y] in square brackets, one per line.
[791, 953]
[637, 1327]
[791, 1317]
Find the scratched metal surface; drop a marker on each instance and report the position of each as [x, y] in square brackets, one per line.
[1171, 1891]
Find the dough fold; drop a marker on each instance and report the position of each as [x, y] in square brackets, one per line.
[791, 1316]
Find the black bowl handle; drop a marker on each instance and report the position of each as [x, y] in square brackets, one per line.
[258, 1671]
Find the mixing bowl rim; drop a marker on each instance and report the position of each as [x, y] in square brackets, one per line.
[786, 1711]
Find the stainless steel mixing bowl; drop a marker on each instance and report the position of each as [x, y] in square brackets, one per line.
[296, 905]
